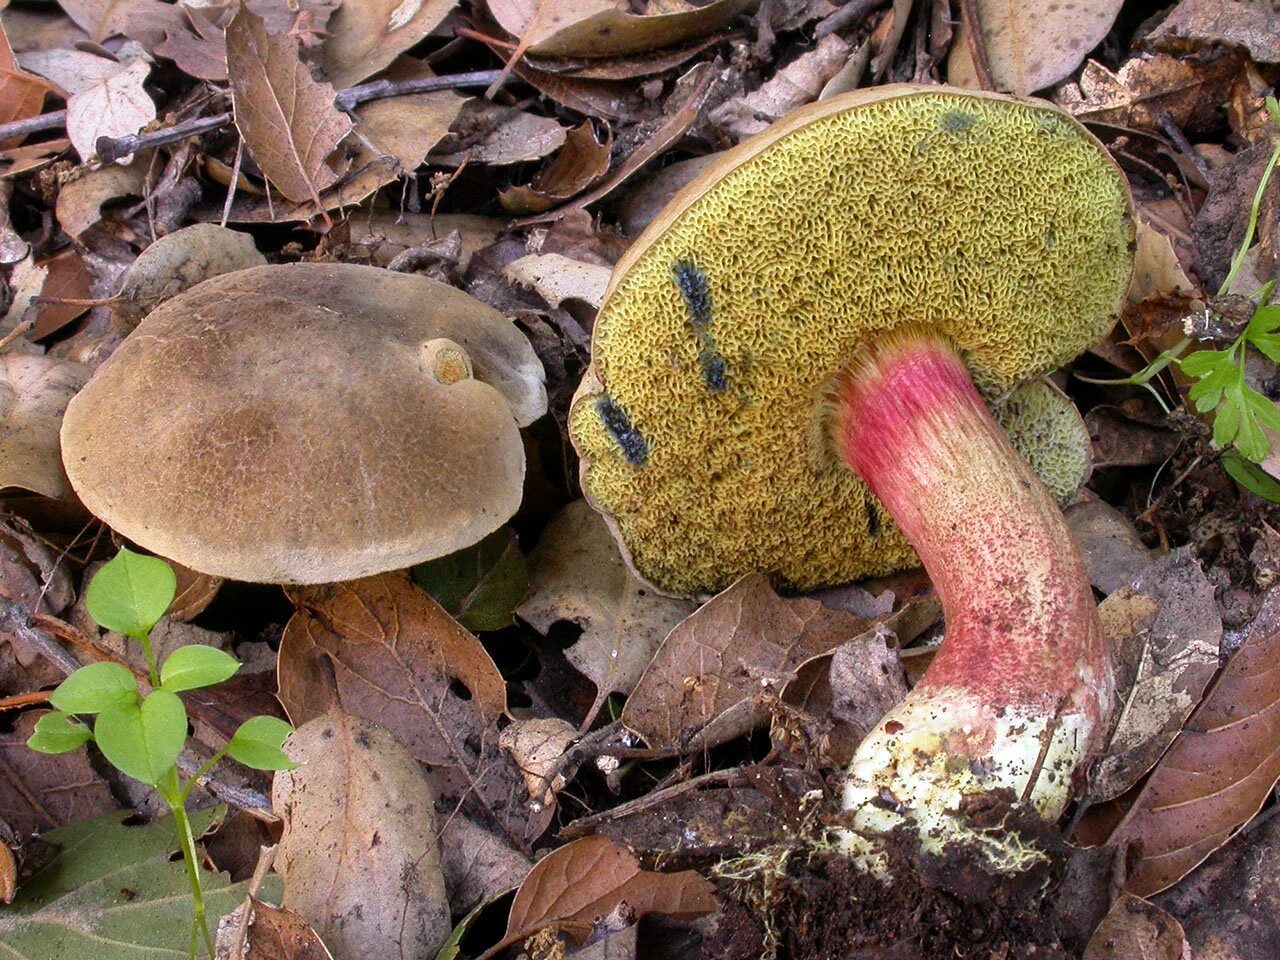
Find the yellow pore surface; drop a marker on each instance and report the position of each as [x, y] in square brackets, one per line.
[1002, 225]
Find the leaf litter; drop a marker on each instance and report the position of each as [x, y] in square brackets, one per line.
[607, 753]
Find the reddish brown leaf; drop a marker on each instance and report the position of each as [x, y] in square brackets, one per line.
[573, 886]
[39, 792]
[581, 162]
[1137, 930]
[398, 660]
[21, 94]
[704, 683]
[287, 119]
[68, 279]
[8, 874]
[1219, 770]
[272, 933]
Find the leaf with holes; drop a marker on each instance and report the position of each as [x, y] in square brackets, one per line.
[391, 655]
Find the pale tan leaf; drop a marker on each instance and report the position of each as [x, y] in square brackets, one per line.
[1137, 930]
[1220, 769]
[605, 28]
[497, 135]
[580, 578]
[365, 37]
[287, 119]
[407, 127]
[114, 107]
[359, 853]
[34, 393]
[1164, 631]
[80, 201]
[477, 863]
[572, 886]
[1214, 23]
[72, 70]
[557, 278]
[1031, 44]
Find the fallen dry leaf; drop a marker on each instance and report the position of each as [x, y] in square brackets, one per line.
[114, 107]
[556, 278]
[359, 853]
[706, 681]
[178, 261]
[1164, 631]
[39, 792]
[34, 393]
[68, 279]
[198, 45]
[477, 863]
[1191, 92]
[32, 573]
[1112, 550]
[365, 37]
[794, 85]
[1137, 930]
[271, 933]
[603, 28]
[1132, 433]
[21, 94]
[106, 18]
[497, 135]
[1199, 23]
[195, 591]
[579, 577]
[579, 164]
[73, 70]
[287, 119]
[1220, 769]
[1031, 45]
[1157, 272]
[407, 127]
[384, 235]
[584, 880]
[399, 660]
[27, 279]
[8, 873]
[536, 746]
[80, 201]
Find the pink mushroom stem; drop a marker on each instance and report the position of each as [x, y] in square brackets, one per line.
[1019, 693]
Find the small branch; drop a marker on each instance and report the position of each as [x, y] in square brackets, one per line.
[110, 149]
[15, 618]
[855, 11]
[352, 97]
[977, 46]
[22, 128]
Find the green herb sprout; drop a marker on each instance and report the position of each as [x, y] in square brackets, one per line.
[1242, 412]
[142, 735]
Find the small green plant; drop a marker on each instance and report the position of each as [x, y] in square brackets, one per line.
[1242, 412]
[142, 735]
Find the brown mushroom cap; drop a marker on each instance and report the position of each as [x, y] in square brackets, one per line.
[1002, 225]
[307, 423]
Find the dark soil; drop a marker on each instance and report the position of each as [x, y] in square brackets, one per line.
[825, 906]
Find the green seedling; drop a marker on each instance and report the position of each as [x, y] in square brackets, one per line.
[1241, 412]
[142, 734]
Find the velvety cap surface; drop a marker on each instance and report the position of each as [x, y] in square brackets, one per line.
[1001, 224]
[306, 424]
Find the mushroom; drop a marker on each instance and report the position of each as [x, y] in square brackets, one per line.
[1048, 432]
[786, 377]
[307, 423]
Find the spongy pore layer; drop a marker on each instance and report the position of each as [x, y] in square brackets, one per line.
[1002, 225]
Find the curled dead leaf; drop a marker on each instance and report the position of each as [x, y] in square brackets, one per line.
[1137, 930]
[570, 888]
[579, 164]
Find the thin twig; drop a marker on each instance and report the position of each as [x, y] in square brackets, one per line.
[110, 149]
[855, 11]
[977, 46]
[21, 128]
[1174, 133]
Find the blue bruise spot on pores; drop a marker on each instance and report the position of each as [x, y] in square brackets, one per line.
[693, 287]
[634, 447]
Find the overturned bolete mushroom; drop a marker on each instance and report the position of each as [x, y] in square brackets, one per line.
[307, 423]
[784, 380]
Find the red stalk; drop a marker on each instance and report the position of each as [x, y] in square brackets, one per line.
[1022, 684]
